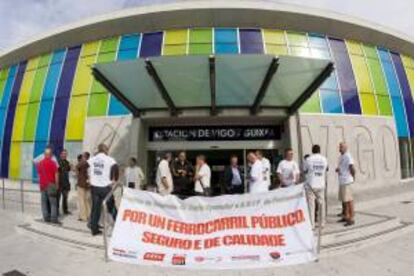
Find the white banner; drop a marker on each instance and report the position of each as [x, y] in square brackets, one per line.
[231, 231]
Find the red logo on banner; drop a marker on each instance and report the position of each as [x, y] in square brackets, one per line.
[178, 260]
[275, 255]
[156, 257]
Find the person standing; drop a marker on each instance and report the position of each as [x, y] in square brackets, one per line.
[233, 177]
[315, 168]
[163, 177]
[257, 183]
[134, 176]
[346, 177]
[266, 167]
[183, 174]
[103, 172]
[288, 170]
[47, 169]
[202, 177]
[83, 187]
[64, 188]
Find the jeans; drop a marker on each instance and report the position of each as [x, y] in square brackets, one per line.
[49, 207]
[98, 195]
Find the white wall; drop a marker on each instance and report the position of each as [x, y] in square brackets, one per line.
[373, 143]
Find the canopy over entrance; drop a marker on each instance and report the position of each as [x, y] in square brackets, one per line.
[180, 83]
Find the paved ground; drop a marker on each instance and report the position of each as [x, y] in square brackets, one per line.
[34, 255]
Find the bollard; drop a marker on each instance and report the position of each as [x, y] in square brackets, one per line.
[22, 194]
[3, 195]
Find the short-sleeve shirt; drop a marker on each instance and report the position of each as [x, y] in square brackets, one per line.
[266, 170]
[46, 169]
[205, 174]
[316, 166]
[344, 175]
[288, 171]
[100, 170]
[257, 184]
[163, 170]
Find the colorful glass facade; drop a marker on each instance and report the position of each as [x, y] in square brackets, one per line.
[47, 99]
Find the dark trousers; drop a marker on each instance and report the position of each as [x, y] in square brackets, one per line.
[63, 194]
[98, 196]
[49, 207]
[237, 189]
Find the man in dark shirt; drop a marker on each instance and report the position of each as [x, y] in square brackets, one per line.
[83, 187]
[234, 177]
[64, 187]
[183, 173]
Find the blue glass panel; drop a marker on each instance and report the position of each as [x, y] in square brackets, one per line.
[331, 101]
[151, 44]
[406, 92]
[60, 109]
[116, 107]
[346, 77]
[49, 90]
[319, 41]
[399, 116]
[331, 82]
[45, 113]
[128, 47]
[226, 49]
[225, 35]
[251, 41]
[5, 150]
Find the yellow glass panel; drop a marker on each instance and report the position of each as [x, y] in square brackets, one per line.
[368, 102]
[172, 50]
[15, 154]
[297, 39]
[362, 75]
[176, 37]
[19, 122]
[276, 49]
[354, 47]
[76, 118]
[27, 82]
[410, 76]
[274, 36]
[32, 64]
[407, 61]
[83, 77]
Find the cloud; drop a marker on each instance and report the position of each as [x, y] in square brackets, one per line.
[22, 19]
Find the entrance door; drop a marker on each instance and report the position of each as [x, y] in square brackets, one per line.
[216, 159]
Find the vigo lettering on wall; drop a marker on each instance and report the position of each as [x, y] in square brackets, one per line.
[372, 141]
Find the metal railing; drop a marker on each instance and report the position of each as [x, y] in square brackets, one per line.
[20, 198]
[115, 187]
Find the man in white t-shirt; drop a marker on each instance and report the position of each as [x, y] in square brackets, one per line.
[103, 172]
[266, 167]
[315, 168]
[288, 170]
[164, 177]
[257, 183]
[346, 176]
[202, 177]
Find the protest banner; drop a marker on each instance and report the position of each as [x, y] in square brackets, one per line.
[230, 231]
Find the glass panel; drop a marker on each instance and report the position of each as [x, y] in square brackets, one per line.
[189, 86]
[377, 77]
[399, 116]
[238, 79]
[297, 39]
[331, 101]
[200, 49]
[384, 105]
[276, 49]
[173, 50]
[251, 41]
[312, 105]
[274, 37]
[354, 47]
[318, 41]
[369, 105]
[201, 35]
[151, 44]
[370, 51]
[300, 51]
[361, 74]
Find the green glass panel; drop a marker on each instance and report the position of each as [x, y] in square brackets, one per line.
[38, 84]
[107, 51]
[3, 77]
[31, 121]
[200, 49]
[370, 51]
[297, 39]
[377, 74]
[44, 61]
[3, 74]
[384, 105]
[201, 35]
[98, 104]
[312, 105]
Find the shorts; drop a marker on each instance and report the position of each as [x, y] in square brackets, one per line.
[345, 193]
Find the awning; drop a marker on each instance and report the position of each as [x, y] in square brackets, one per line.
[177, 83]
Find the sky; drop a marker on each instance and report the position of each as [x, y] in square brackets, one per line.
[21, 20]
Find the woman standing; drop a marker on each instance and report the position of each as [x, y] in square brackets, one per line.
[134, 176]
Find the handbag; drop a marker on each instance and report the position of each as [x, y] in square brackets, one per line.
[51, 189]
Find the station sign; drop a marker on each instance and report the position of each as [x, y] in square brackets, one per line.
[214, 133]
